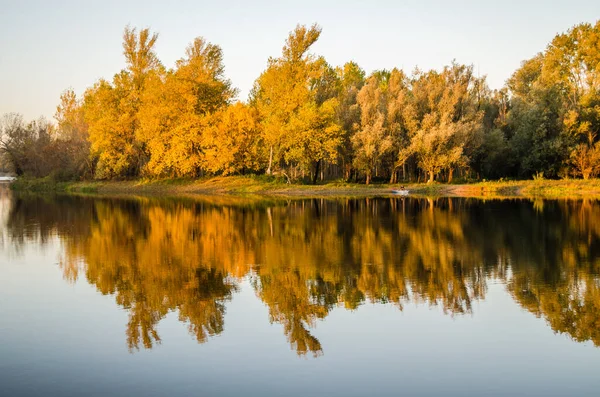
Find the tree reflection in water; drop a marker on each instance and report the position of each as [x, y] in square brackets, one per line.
[305, 257]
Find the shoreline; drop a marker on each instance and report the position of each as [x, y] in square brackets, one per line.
[271, 188]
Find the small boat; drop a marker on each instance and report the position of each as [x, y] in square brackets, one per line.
[401, 192]
[7, 178]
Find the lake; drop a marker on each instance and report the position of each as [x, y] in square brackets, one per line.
[236, 296]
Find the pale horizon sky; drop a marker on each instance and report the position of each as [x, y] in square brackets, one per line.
[49, 46]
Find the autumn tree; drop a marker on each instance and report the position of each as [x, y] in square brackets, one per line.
[40, 149]
[111, 109]
[436, 148]
[72, 136]
[140, 55]
[444, 117]
[296, 100]
[14, 138]
[111, 125]
[351, 79]
[585, 160]
[372, 139]
[29, 147]
[233, 143]
[400, 121]
[182, 107]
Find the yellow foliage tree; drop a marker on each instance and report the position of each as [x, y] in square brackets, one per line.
[111, 110]
[442, 116]
[233, 143]
[182, 107]
[296, 100]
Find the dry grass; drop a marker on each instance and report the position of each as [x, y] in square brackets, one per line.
[566, 188]
[232, 185]
[271, 187]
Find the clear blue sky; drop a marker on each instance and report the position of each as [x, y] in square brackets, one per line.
[48, 46]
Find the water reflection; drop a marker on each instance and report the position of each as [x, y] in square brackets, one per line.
[306, 257]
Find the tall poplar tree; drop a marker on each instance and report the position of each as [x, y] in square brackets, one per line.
[111, 109]
[296, 100]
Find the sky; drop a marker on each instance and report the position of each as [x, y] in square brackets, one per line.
[49, 46]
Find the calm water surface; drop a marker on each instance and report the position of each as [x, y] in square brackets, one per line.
[238, 297]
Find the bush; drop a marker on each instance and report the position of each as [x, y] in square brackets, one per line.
[47, 184]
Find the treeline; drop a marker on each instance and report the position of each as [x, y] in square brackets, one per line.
[307, 120]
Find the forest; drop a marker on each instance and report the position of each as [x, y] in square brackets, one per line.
[307, 121]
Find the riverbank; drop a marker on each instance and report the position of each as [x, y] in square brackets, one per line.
[265, 186]
[231, 185]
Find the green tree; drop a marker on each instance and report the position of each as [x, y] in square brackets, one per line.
[555, 113]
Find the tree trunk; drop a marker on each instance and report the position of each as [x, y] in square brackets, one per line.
[269, 171]
[431, 176]
[585, 174]
[316, 174]
[450, 172]
[270, 220]
[368, 178]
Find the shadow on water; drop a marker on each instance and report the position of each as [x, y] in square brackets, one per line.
[305, 257]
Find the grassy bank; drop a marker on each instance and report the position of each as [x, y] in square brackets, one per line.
[266, 186]
[39, 185]
[551, 189]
